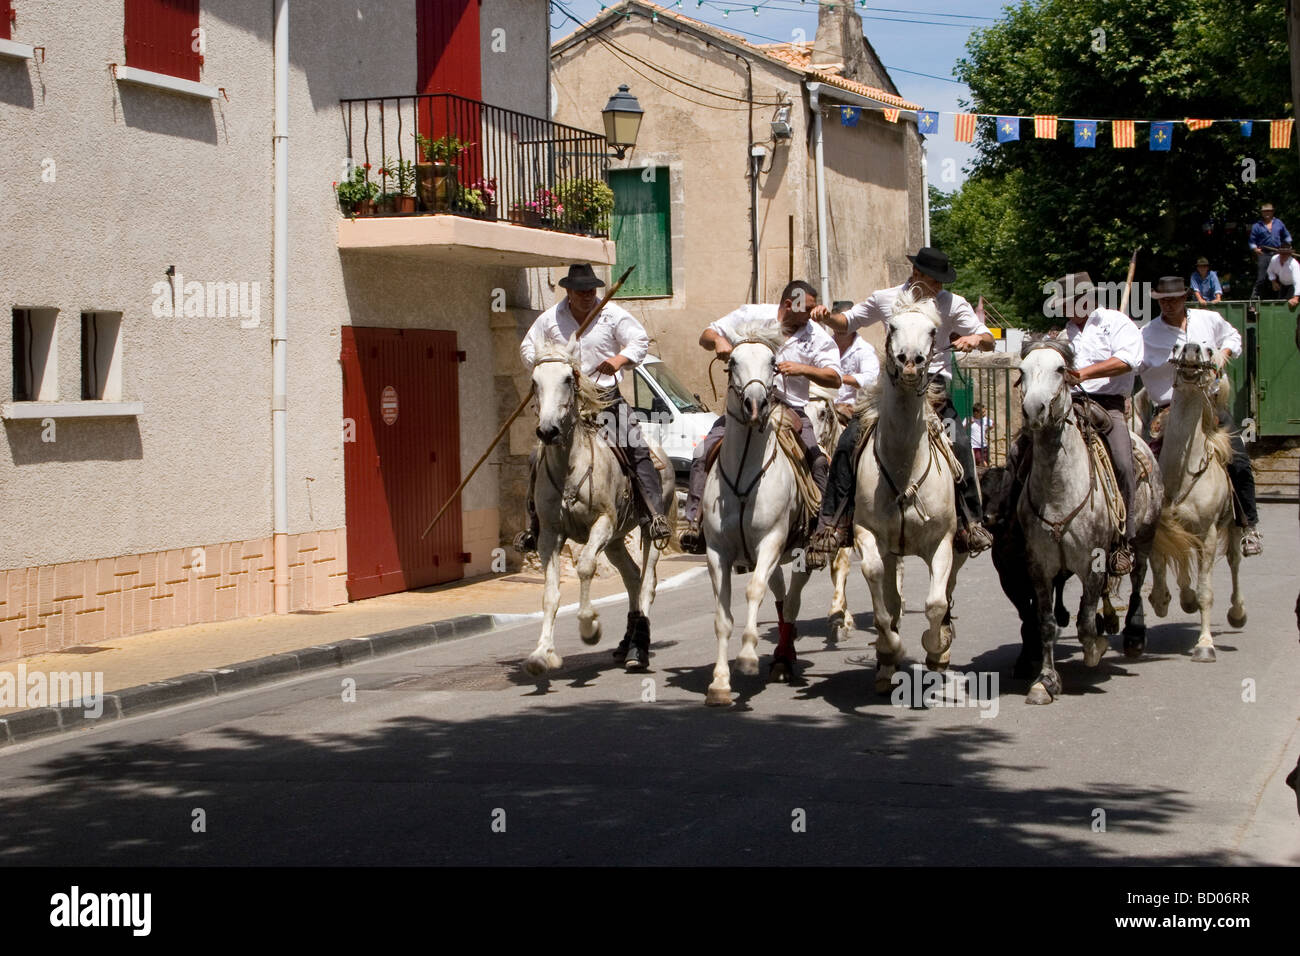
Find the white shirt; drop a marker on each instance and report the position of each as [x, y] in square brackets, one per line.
[860, 361]
[1204, 327]
[979, 429]
[1288, 274]
[614, 332]
[1106, 333]
[955, 315]
[811, 345]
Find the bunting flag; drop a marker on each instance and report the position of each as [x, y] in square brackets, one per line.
[965, 128]
[1247, 127]
[1162, 135]
[1198, 124]
[1044, 127]
[1085, 133]
[1008, 128]
[1279, 133]
[927, 121]
[891, 115]
[849, 115]
[1121, 134]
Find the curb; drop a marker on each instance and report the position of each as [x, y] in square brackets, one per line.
[28, 725]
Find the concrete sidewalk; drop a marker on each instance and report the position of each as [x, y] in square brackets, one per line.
[182, 663]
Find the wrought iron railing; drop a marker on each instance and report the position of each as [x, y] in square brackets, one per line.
[511, 166]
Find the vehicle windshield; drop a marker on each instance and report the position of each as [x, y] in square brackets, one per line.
[674, 389]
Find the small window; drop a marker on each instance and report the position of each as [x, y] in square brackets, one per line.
[163, 36]
[6, 20]
[101, 359]
[641, 230]
[35, 358]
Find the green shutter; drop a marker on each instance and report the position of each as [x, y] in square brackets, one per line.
[641, 231]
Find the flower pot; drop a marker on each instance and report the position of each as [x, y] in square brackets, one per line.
[525, 217]
[491, 212]
[364, 207]
[405, 205]
[386, 206]
[435, 184]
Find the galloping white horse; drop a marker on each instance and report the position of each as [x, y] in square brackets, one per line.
[1062, 484]
[826, 426]
[906, 496]
[1196, 522]
[582, 494]
[750, 508]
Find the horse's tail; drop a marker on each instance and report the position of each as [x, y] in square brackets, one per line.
[1174, 543]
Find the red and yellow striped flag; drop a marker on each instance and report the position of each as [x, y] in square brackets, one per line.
[891, 115]
[1121, 134]
[1279, 133]
[1198, 124]
[965, 128]
[1044, 126]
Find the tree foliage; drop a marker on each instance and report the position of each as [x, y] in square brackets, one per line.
[1036, 209]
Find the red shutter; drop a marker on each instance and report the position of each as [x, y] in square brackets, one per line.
[447, 61]
[6, 15]
[160, 37]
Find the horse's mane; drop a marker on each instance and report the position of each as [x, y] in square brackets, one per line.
[1060, 346]
[757, 330]
[591, 401]
[912, 300]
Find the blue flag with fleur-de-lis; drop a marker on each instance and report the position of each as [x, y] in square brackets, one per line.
[1162, 135]
[849, 115]
[1085, 133]
[1008, 128]
[1246, 127]
[927, 121]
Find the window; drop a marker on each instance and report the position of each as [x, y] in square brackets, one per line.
[36, 366]
[640, 229]
[162, 36]
[101, 356]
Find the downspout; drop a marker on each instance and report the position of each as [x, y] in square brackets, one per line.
[925, 194]
[823, 255]
[279, 329]
[753, 183]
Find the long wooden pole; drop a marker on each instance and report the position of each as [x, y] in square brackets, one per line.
[591, 317]
[1128, 286]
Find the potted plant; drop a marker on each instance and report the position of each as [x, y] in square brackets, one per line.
[357, 193]
[587, 203]
[402, 171]
[547, 206]
[436, 177]
[487, 189]
[470, 201]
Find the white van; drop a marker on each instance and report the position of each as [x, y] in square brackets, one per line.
[674, 417]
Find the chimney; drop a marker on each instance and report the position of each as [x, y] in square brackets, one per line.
[839, 40]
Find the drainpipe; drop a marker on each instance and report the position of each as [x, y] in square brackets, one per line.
[280, 327]
[925, 194]
[823, 255]
[753, 182]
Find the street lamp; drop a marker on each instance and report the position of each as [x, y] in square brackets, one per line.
[622, 115]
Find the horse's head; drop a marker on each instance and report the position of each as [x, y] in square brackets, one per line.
[1194, 363]
[555, 380]
[751, 371]
[910, 340]
[1046, 393]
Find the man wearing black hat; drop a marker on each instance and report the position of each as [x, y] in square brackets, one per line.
[962, 329]
[614, 340]
[1178, 324]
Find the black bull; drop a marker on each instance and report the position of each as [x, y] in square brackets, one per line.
[1010, 561]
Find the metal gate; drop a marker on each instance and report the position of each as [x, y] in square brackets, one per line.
[1277, 364]
[401, 458]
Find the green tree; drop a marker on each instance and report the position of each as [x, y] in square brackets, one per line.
[1036, 209]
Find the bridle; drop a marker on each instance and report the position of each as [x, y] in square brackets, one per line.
[1204, 376]
[1058, 528]
[893, 370]
[566, 433]
[739, 390]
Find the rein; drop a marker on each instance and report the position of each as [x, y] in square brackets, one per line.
[743, 496]
[1058, 528]
[1207, 456]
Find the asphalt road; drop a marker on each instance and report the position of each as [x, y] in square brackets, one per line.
[451, 755]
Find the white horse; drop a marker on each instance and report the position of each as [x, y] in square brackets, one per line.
[582, 494]
[1067, 522]
[827, 427]
[1196, 523]
[906, 499]
[750, 509]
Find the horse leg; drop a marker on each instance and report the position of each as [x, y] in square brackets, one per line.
[616, 551]
[1236, 610]
[889, 649]
[839, 617]
[1186, 596]
[1093, 640]
[1058, 607]
[1159, 587]
[719, 693]
[947, 632]
[766, 557]
[1047, 685]
[588, 620]
[1135, 628]
[1109, 619]
[544, 658]
[937, 640]
[784, 658]
[1204, 649]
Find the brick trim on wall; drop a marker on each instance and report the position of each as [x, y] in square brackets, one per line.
[53, 607]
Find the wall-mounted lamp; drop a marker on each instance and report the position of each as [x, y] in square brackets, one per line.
[622, 115]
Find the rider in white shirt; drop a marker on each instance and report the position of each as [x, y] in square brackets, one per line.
[1177, 325]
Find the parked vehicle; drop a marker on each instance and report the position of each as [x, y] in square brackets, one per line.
[673, 416]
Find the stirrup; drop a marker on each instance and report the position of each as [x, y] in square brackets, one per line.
[974, 539]
[692, 539]
[1121, 561]
[825, 542]
[1251, 542]
[659, 531]
[525, 541]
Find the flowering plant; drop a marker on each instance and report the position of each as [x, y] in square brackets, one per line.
[486, 188]
[444, 149]
[403, 170]
[545, 203]
[357, 187]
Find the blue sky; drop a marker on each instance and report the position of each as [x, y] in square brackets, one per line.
[926, 37]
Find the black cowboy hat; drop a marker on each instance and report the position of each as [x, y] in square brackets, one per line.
[1170, 287]
[934, 263]
[580, 278]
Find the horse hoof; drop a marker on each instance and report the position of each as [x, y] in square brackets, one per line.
[535, 666]
[1203, 653]
[1189, 605]
[620, 652]
[1110, 624]
[1093, 651]
[780, 672]
[1161, 609]
[839, 632]
[593, 637]
[1038, 694]
[638, 658]
[747, 665]
[936, 663]
[1237, 618]
[718, 697]
[1134, 646]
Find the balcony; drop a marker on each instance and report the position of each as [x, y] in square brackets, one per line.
[443, 178]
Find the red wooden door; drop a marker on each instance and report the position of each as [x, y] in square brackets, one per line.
[399, 394]
[448, 61]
